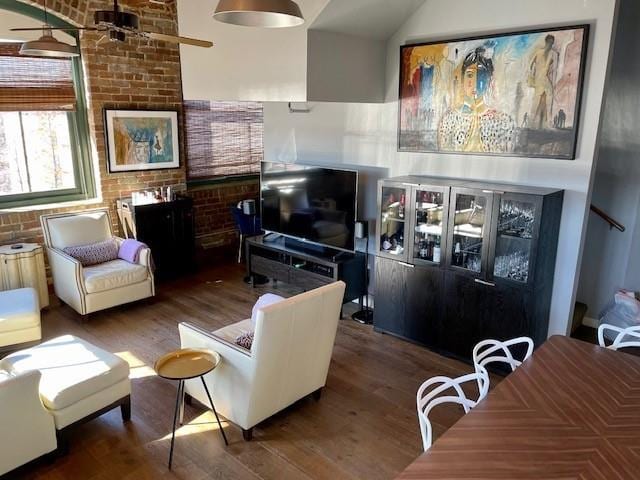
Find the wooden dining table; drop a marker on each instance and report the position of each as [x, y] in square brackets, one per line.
[571, 411]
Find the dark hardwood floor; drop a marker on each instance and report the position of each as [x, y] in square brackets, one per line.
[364, 426]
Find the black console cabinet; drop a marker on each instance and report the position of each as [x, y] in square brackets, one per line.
[167, 228]
[306, 270]
[458, 262]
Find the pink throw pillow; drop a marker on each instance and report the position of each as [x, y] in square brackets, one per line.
[263, 301]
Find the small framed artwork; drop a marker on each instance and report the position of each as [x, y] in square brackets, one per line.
[513, 94]
[141, 140]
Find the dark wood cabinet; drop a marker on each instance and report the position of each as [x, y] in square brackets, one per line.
[167, 228]
[492, 276]
[464, 312]
[389, 314]
[412, 306]
[423, 307]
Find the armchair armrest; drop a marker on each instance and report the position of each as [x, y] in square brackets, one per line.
[65, 266]
[191, 334]
[63, 257]
[29, 426]
[20, 393]
[68, 280]
[144, 257]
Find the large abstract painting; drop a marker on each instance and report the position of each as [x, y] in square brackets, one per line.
[513, 94]
[141, 140]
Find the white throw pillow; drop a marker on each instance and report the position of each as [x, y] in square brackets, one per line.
[263, 301]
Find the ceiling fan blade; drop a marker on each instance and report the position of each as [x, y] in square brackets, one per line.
[177, 39]
[141, 3]
[33, 29]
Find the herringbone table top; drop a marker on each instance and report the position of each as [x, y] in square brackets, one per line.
[572, 411]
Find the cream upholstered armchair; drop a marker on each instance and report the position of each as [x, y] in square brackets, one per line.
[96, 287]
[289, 359]
[28, 428]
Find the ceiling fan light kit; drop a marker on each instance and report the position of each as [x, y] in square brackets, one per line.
[48, 46]
[259, 13]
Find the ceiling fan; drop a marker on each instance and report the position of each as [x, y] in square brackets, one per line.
[118, 24]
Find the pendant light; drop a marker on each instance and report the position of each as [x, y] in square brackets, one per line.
[47, 45]
[259, 13]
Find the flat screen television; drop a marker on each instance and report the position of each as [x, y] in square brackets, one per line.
[312, 204]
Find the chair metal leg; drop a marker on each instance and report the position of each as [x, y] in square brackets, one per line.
[214, 411]
[181, 420]
[240, 249]
[175, 419]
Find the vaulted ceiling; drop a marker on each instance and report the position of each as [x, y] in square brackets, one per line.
[378, 19]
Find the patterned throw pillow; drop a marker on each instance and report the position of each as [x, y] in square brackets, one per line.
[94, 253]
[245, 340]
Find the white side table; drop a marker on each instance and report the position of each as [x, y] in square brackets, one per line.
[24, 267]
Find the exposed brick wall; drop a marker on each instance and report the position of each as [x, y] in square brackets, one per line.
[215, 227]
[134, 74]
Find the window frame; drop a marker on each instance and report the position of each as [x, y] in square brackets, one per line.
[78, 120]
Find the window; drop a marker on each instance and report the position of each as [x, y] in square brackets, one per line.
[223, 139]
[35, 152]
[43, 130]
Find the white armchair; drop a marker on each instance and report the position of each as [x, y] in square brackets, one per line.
[26, 424]
[93, 288]
[289, 358]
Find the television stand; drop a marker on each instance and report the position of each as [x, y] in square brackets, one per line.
[271, 237]
[280, 260]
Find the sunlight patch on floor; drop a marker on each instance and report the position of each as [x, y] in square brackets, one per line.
[204, 422]
[138, 369]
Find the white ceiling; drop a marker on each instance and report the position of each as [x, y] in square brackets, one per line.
[9, 20]
[378, 19]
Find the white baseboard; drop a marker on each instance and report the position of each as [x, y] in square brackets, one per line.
[590, 322]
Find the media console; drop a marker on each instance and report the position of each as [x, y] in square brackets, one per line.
[282, 261]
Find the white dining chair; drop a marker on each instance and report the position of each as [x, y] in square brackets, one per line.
[490, 351]
[439, 390]
[625, 337]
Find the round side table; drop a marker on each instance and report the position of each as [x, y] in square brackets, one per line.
[182, 365]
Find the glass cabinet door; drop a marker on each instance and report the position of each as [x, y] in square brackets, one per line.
[393, 213]
[469, 216]
[516, 228]
[428, 226]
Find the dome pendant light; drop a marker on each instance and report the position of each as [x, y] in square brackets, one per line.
[47, 45]
[259, 13]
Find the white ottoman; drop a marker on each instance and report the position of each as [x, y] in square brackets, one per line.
[19, 316]
[79, 380]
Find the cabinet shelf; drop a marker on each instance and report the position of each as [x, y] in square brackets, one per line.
[430, 230]
[430, 208]
[514, 237]
[466, 233]
[394, 252]
[493, 287]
